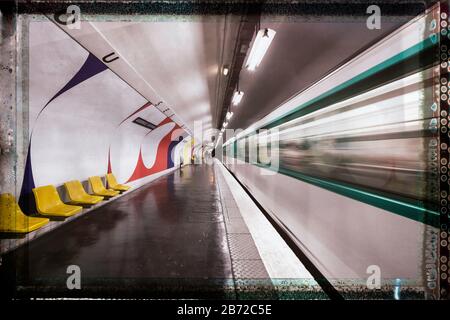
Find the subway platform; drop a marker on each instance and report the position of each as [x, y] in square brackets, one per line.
[193, 233]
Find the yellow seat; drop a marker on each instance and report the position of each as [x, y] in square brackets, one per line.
[13, 220]
[99, 189]
[78, 195]
[48, 203]
[112, 183]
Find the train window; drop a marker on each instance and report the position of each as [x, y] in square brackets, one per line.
[264, 150]
[241, 149]
[246, 149]
[253, 148]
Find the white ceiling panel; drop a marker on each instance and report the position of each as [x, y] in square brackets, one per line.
[176, 62]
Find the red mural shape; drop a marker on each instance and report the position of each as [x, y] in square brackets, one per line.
[162, 154]
[109, 160]
[145, 106]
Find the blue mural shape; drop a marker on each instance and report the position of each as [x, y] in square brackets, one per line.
[91, 67]
[172, 145]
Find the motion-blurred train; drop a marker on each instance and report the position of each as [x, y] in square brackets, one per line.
[352, 184]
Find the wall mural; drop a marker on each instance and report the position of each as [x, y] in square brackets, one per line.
[81, 119]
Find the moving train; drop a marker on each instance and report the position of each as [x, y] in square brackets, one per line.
[343, 166]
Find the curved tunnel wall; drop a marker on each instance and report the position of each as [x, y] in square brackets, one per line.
[81, 119]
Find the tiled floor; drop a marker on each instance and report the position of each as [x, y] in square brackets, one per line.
[180, 236]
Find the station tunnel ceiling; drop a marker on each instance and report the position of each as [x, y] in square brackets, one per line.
[179, 59]
[172, 59]
[301, 53]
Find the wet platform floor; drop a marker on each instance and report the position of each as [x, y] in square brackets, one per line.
[166, 239]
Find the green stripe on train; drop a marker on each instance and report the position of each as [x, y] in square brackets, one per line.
[399, 207]
[402, 208]
[425, 46]
[412, 53]
[422, 53]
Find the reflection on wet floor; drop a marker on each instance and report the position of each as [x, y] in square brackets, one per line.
[168, 236]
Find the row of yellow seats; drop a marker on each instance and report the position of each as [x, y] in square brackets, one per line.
[48, 203]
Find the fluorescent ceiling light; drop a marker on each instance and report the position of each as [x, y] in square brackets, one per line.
[225, 124]
[229, 115]
[262, 42]
[237, 97]
[225, 71]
